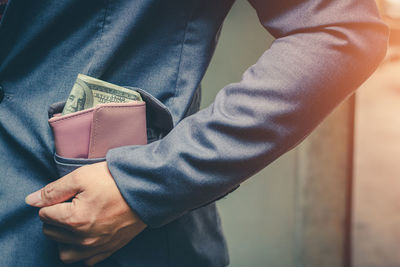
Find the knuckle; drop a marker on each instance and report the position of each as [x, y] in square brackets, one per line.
[73, 222]
[74, 176]
[42, 214]
[89, 262]
[91, 222]
[65, 256]
[45, 230]
[76, 222]
[47, 192]
[89, 242]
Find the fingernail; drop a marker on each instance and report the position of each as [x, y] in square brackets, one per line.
[34, 198]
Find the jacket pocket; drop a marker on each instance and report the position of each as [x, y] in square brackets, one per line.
[158, 124]
[67, 165]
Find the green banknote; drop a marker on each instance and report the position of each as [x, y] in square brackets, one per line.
[87, 92]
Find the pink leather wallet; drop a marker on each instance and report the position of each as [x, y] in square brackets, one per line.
[91, 133]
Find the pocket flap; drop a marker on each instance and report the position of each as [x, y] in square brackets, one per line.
[115, 125]
[158, 116]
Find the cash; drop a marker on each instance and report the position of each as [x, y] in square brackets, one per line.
[87, 92]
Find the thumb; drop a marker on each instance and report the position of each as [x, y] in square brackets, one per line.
[55, 192]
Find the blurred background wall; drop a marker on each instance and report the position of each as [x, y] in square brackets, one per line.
[334, 200]
[295, 211]
[258, 217]
[376, 202]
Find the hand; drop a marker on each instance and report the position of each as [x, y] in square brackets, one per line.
[95, 224]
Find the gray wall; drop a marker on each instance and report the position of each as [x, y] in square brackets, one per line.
[376, 224]
[258, 217]
[294, 213]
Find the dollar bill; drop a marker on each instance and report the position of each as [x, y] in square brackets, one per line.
[87, 92]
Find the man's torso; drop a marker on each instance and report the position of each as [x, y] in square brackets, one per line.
[162, 47]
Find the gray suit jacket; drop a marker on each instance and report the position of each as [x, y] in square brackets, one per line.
[324, 50]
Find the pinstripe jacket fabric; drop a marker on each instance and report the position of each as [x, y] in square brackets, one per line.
[324, 49]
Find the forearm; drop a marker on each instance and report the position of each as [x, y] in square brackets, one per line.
[319, 58]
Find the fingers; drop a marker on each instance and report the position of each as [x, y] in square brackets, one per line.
[68, 216]
[98, 258]
[61, 235]
[55, 192]
[59, 215]
[69, 254]
[64, 236]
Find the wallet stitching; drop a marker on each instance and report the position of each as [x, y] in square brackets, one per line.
[62, 119]
[92, 110]
[93, 137]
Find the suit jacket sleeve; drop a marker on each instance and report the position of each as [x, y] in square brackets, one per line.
[324, 49]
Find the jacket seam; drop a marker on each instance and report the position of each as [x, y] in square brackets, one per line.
[107, 2]
[189, 20]
[100, 35]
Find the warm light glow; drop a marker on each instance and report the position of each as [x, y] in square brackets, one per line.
[392, 8]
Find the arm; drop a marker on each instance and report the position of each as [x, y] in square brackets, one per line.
[324, 50]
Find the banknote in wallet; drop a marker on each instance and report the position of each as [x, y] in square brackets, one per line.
[91, 132]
